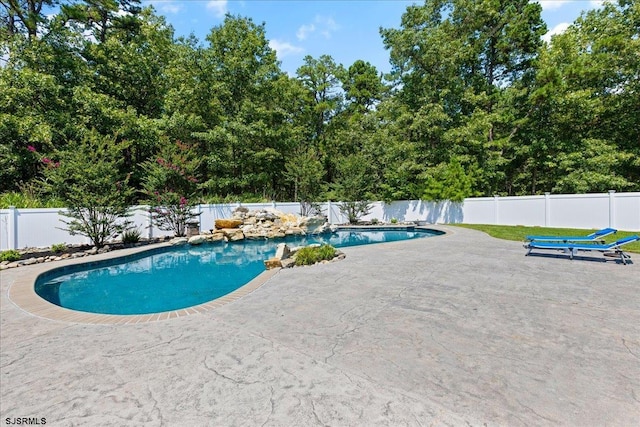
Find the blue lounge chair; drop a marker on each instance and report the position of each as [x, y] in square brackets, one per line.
[598, 235]
[611, 249]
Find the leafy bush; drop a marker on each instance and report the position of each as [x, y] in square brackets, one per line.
[88, 180]
[131, 235]
[10, 255]
[355, 210]
[394, 220]
[310, 255]
[27, 200]
[375, 221]
[58, 247]
[170, 185]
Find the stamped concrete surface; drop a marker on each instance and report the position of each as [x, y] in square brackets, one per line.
[461, 329]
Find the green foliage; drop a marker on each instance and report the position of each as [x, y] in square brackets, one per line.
[170, 186]
[394, 220]
[305, 171]
[59, 247]
[354, 210]
[28, 199]
[310, 255]
[448, 182]
[96, 194]
[10, 255]
[476, 104]
[131, 235]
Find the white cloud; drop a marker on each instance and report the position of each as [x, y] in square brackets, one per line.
[304, 31]
[219, 7]
[327, 25]
[595, 4]
[284, 48]
[558, 29]
[322, 24]
[552, 4]
[170, 7]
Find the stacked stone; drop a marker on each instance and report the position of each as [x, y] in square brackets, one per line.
[259, 225]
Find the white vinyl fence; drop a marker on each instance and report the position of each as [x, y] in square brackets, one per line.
[20, 228]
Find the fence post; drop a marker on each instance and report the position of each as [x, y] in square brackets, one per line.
[612, 208]
[149, 222]
[547, 209]
[329, 212]
[496, 216]
[12, 228]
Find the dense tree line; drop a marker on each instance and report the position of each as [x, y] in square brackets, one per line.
[476, 104]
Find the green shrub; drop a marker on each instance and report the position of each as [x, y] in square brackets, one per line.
[131, 235]
[10, 255]
[394, 220]
[374, 221]
[311, 255]
[27, 200]
[58, 247]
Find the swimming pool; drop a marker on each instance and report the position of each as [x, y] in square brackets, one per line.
[171, 278]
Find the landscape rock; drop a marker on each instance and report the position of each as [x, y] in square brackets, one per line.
[178, 241]
[197, 240]
[272, 263]
[215, 237]
[228, 223]
[282, 251]
[314, 225]
[236, 236]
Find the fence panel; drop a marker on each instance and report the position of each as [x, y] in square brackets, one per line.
[579, 210]
[529, 210]
[626, 215]
[21, 228]
[4, 229]
[42, 228]
[481, 210]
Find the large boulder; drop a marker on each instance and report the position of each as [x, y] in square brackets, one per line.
[228, 223]
[197, 240]
[233, 234]
[215, 237]
[314, 225]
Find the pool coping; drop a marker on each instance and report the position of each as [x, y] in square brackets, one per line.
[22, 292]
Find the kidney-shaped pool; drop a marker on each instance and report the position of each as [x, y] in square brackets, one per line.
[171, 278]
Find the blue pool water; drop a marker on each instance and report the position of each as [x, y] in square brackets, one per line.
[172, 278]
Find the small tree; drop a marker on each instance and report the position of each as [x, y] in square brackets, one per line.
[170, 186]
[88, 180]
[305, 171]
[353, 186]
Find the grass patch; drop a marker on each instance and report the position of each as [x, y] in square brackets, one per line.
[518, 233]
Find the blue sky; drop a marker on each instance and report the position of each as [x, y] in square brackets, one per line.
[345, 29]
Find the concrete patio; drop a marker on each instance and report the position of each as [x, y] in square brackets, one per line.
[461, 329]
